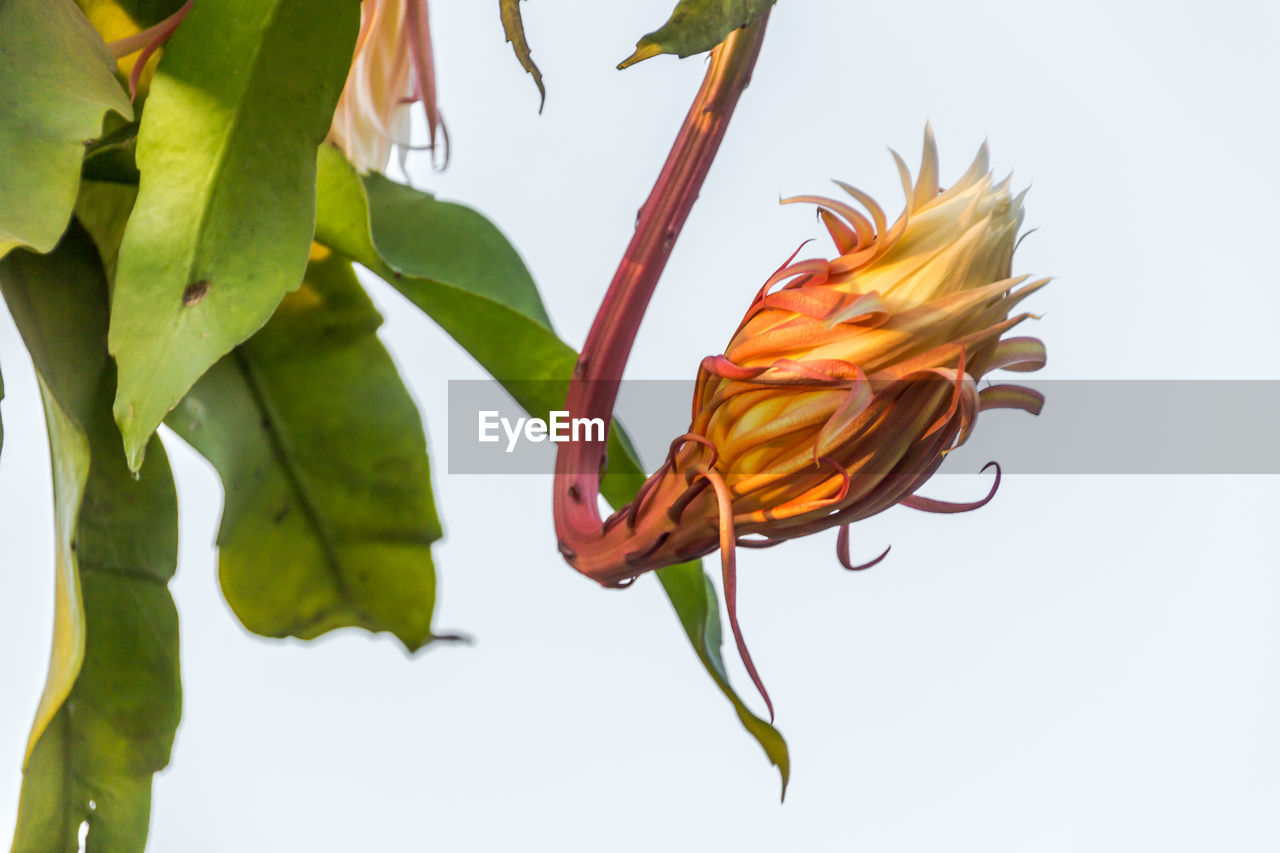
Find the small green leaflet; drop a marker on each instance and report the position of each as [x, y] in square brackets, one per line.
[696, 26]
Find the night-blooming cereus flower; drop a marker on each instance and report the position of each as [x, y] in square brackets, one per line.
[846, 383]
[391, 70]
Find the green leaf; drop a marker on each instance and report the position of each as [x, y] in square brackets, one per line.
[384, 226]
[50, 305]
[329, 516]
[107, 719]
[56, 82]
[102, 208]
[513, 27]
[696, 26]
[482, 295]
[482, 260]
[226, 207]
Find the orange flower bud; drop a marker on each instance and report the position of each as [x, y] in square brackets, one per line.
[848, 380]
[846, 383]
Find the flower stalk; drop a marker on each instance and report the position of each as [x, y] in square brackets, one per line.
[594, 388]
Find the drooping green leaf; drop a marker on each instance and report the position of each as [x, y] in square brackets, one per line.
[482, 262]
[45, 789]
[51, 306]
[383, 226]
[95, 759]
[480, 294]
[107, 720]
[56, 82]
[329, 517]
[513, 27]
[696, 26]
[226, 207]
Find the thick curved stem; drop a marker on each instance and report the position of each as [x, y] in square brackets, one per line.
[594, 388]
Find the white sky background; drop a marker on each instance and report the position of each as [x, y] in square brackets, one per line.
[1086, 664]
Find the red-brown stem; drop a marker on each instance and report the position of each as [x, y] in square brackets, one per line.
[148, 41]
[157, 32]
[594, 388]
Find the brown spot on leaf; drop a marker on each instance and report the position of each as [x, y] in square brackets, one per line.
[195, 291]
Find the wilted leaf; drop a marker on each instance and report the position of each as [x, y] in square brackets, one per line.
[513, 26]
[56, 82]
[107, 719]
[384, 227]
[696, 26]
[226, 205]
[329, 517]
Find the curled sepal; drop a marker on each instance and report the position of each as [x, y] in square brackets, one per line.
[932, 505]
[1010, 397]
[842, 552]
[729, 568]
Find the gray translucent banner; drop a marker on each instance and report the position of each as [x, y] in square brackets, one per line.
[1202, 427]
